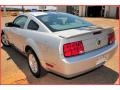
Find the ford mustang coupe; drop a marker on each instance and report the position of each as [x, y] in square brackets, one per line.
[58, 42]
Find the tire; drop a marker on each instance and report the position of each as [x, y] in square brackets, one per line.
[4, 40]
[34, 64]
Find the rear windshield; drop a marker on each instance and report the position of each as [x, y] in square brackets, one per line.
[62, 21]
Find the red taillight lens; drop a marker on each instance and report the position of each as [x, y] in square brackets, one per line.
[111, 38]
[73, 49]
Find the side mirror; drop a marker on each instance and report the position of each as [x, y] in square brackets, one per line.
[10, 24]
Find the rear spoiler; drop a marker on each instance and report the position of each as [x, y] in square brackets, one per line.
[83, 32]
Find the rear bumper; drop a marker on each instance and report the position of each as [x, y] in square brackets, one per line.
[83, 63]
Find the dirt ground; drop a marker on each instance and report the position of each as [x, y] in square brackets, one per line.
[15, 69]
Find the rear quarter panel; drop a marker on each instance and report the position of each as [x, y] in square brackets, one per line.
[45, 45]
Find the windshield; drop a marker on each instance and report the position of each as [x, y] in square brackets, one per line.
[62, 21]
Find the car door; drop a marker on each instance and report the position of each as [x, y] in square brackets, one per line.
[18, 33]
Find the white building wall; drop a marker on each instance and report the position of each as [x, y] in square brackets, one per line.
[62, 8]
[42, 7]
[82, 10]
[106, 12]
[110, 11]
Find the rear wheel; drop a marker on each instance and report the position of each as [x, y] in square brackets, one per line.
[34, 64]
[4, 40]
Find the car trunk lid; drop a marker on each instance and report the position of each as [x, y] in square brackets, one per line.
[92, 37]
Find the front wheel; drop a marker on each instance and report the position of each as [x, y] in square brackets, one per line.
[4, 40]
[34, 64]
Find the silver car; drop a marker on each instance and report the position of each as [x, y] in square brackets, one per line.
[59, 42]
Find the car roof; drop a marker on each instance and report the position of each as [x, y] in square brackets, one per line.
[41, 13]
[36, 13]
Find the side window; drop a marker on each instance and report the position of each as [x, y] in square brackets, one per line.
[33, 25]
[21, 20]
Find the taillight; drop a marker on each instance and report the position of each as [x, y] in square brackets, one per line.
[73, 49]
[111, 38]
